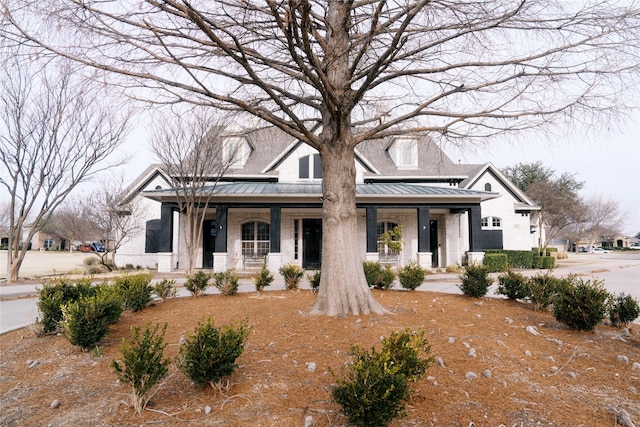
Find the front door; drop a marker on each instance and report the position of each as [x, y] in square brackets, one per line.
[311, 243]
[433, 239]
[208, 243]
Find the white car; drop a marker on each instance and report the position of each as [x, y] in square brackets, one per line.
[599, 251]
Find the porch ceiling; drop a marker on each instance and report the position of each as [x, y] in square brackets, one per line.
[254, 191]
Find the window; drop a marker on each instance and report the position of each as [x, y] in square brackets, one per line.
[381, 228]
[255, 238]
[487, 187]
[310, 166]
[236, 151]
[152, 236]
[496, 222]
[485, 222]
[405, 153]
[489, 222]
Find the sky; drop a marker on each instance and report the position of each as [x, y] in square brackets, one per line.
[606, 160]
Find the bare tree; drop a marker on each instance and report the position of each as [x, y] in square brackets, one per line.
[72, 221]
[4, 219]
[357, 71]
[604, 218]
[115, 221]
[56, 132]
[193, 154]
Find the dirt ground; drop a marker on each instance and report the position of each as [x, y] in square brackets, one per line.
[557, 378]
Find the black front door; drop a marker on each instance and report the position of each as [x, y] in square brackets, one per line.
[433, 239]
[311, 243]
[209, 230]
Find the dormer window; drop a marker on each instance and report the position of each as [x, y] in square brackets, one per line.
[404, 152]
[310, 167]
[236, 151]
[487, 187]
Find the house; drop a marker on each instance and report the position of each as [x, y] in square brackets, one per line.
[268, 207]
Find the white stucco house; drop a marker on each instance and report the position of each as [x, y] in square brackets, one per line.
[268, 207]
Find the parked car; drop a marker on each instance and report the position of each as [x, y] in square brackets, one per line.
[599, 251]
[91, 247]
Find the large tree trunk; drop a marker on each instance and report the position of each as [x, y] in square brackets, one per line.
[343, 287]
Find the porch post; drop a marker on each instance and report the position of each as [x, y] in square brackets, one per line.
[475, 254]
[372, 233]
[274, 260]
[220, 251]
[165, 243]
[425, 256]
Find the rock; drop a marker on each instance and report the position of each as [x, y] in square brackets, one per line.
[527, 353]
[309, 421]
[632, 389]
[55, 404]
[508, 320]
[466, 344]
[635, 366]
[470, 376]
[532, 330]
[571, 374]
[471, 352]
[623, 359]
[182, 339]
[311, 366]
[440, 362]
[623, 418]
[33, 364]
[451, 340]
[271, 344]
[431, 378]
[486, 373]
[207, 410]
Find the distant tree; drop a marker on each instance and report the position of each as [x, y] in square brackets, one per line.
[604, 219]
[72, 222]
[55, 132]
[194, 153]
[333, 74]
[558, 198]
[4, 219]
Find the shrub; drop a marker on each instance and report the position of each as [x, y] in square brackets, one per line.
[515, 259]
[142, 365]
[53, 295]
[623, 309]
[454, 268]
[85, 321]
[263, 279]
[373, 389]
[135, 289]
[475, 281]
[210, 354]
[513, 285]
[542, 289]
[314, 280]
[292, 274]
[196, 283]
[165, 289]
[226, 282]
[582, 305]
[88, 262]
[411, 275]
[111, 302]
[496, 262]
[378, 277]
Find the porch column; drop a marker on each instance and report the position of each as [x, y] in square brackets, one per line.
[475, 254]
[274, 260]
[425, 256]
[220, 250]
[372, 233]
[165, 243]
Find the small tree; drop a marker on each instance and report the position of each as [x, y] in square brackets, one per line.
[196, 283]
[475, 281]
[411, 275]
[263, 279]
[292, 274]
[143, 364]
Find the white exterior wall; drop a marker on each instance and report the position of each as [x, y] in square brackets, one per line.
[515, 226]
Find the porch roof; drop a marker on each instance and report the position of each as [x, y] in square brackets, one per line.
[273, 190]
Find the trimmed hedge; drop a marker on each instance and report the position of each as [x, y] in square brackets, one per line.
[544, 262]
[496, 262]
[516, 259]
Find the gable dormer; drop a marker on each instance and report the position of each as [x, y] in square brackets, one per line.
[236, 151]
[403, 150]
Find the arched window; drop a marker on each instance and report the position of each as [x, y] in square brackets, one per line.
[491, 223]
[496, 222]
[255, 238]
[487, 187]
[310, 167]
[484, 221]
[383, 248]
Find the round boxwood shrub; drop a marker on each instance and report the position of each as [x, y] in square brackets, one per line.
[136, 290]
[582, 305]
[512, 285]
[411, 275]
[85, 322]
[624, 309]
[378, 277]
[475, 281]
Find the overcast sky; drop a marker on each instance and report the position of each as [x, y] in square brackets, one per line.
[606, 160]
